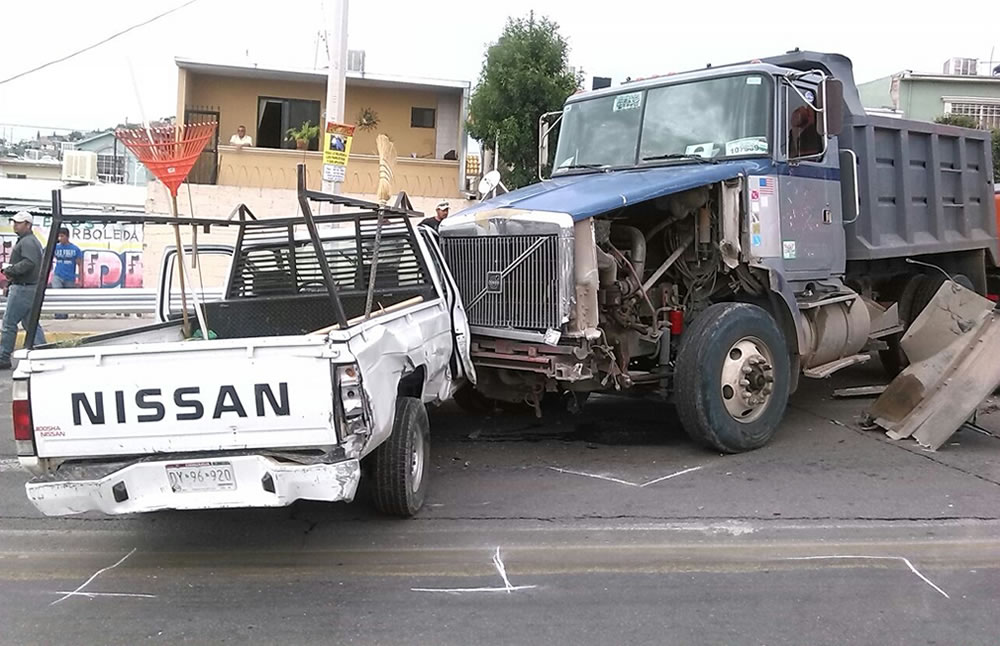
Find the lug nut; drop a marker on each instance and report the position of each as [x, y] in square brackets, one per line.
[746, 370]
[744, 382]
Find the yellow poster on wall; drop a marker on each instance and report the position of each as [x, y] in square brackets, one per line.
[336, 150]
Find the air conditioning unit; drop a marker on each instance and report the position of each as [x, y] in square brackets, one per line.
[79, 167]
[961, 66]
[356, 60]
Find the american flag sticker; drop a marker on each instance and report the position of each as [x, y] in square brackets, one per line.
[766, 186]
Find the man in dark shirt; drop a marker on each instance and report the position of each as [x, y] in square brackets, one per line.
[441, 214]
[22, 272]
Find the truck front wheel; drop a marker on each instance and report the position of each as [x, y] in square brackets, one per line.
[402, 462]
[732, 377]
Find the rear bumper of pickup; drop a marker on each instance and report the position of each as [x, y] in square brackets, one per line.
[260, 481]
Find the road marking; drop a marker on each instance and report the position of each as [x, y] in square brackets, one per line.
[639, 485]
[903, 559]
[92, 577]
[501, 570]
[91, 595]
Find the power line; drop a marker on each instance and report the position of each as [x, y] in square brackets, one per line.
[97, 44]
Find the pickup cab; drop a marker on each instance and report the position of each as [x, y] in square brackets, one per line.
[309, 369]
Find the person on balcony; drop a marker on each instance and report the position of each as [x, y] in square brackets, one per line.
[241, 138]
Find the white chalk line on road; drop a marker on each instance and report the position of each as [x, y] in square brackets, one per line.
[501, 570]
[639, 485]
[91, 595]
[92, 577]
[901, 559]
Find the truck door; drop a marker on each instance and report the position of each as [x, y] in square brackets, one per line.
[808, 189]
[210, 276]
[461, 359]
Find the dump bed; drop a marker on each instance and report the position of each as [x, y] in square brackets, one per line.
[924, 188]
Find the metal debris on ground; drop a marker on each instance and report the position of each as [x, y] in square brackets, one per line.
[859, 391]
[952, 346]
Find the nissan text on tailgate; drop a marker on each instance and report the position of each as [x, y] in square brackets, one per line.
[309, 366]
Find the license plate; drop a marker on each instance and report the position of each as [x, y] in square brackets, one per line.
[200, 476]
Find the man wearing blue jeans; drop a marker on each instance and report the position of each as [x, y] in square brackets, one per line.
[69, 260]
[22, 272]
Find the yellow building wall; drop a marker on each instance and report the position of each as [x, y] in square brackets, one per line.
[393, 109]
[237, 99]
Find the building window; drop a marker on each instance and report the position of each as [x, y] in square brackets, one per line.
[111, 168]
[987, 114]
[276, 116]
[16, 176]
[422, 117]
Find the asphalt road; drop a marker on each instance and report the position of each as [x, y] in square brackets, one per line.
[607, 528]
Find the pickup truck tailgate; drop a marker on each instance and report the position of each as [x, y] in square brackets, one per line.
[175, 398]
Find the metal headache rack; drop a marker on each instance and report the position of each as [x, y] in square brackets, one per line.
[283, 275]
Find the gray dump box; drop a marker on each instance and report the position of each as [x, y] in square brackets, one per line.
[924, 188]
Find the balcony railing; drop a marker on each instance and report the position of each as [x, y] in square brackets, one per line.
[274, 168]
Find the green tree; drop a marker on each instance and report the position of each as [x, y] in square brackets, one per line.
[996, 154]
[524, 75]
[965, 121]
[960, 120]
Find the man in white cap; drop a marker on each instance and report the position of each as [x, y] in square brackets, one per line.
[22, 271]
[441, 214]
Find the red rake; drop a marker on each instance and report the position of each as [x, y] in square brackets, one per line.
[169, 152]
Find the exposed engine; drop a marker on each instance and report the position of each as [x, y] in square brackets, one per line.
[660, 264]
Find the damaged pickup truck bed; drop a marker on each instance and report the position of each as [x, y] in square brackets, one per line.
[294, 388]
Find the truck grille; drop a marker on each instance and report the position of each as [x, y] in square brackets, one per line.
[507, 281]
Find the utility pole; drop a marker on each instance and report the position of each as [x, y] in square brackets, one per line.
[336, 39]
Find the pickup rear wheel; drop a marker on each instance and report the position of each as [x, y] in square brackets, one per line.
[402, 462]
[732, 377]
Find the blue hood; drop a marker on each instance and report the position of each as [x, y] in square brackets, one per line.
[588, 194]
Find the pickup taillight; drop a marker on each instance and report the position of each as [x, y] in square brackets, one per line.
[24, 432]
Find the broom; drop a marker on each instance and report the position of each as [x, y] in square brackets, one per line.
[386, 166]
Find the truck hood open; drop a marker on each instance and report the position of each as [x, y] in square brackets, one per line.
[588, 194]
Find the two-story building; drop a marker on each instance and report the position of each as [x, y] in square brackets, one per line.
[960, 90]
[425, 118]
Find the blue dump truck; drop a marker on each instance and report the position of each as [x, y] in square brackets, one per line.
[710, 236]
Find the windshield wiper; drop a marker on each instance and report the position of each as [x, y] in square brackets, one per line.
[698, 158]
[572, 166]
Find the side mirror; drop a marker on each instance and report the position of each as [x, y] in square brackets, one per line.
[546, 124]
[831, 103]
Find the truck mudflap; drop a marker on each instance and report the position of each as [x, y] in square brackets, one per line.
[192, 483]
[953, 347]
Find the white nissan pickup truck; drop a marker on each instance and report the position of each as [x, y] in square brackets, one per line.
[292, 392]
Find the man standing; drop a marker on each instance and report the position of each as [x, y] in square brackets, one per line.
[241, 138]
[69, 263]
[69, 266]
[22, 274]
[441, 214]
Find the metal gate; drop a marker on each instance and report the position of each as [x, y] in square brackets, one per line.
[206, 169]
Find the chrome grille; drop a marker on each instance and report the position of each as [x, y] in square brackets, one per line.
[507, 281]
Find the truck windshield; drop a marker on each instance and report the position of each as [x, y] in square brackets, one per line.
[713, 118]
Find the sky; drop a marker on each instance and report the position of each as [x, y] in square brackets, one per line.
[439, 39]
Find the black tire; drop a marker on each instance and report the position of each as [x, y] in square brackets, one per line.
[893, 359]
[400, 486]
[706, 347]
